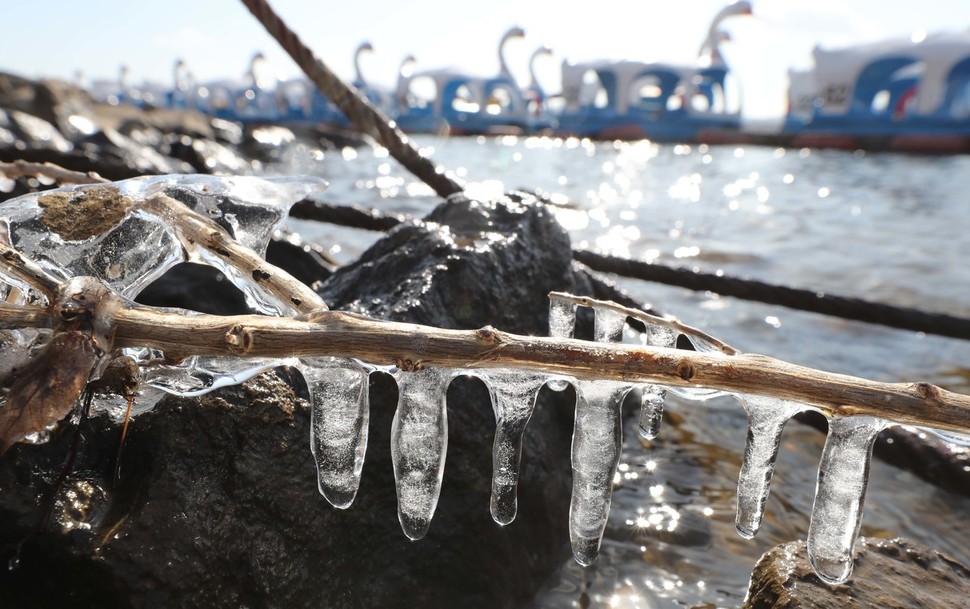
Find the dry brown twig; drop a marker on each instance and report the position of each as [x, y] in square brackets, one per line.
[51, 171]
[412, 346]
[319, 332]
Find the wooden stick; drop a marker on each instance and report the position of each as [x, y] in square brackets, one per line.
[28, 271]
[49, 170]
[13, 317]
[195, 230]
[412, 346]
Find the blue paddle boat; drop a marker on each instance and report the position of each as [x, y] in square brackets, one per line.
[904, 94]
[452, 101]
[654, 100]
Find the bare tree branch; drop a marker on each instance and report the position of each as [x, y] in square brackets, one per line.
[49, 170]
[195, 230]
[28, 271]
[411, 346]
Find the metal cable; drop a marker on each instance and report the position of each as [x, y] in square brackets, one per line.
[793, 298]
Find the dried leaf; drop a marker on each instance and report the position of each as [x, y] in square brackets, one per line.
[50, 388]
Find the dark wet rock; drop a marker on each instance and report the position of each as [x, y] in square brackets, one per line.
[217, 503]
[119, 150]
[484, 260]
[889, 574]
[195, 287]
[63, 105]
[37, 133]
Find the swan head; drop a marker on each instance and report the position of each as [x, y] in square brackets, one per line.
[514, 32]
[741, 7]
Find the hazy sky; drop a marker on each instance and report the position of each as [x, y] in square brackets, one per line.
[216, 38]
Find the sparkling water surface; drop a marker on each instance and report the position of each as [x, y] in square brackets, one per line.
[884, 227]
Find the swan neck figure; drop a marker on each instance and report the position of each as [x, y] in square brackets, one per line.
[533, 80]
[358, 74]
[254, 66]
[710, 50]
[515, 32]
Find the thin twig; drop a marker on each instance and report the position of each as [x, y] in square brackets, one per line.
[801, 299]
[412, 346]
[195, 230]
[28, 271]
[647, 319]
[49, 170]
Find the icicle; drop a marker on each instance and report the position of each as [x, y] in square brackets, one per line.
[651, 411]
[513, 396]
[562, 324]
[338, 425]
[839, 495]
[597, 437]
[419, 441]
[766, 421]
[562, 318]
[653, 396]
[608, 326]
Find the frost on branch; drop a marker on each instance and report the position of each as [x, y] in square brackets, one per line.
[131, 232]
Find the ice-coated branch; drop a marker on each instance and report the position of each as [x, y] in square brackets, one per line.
[412, 346]
[13, 317]
[26, 270]
[196, 231]
[648, 319]
[49, 170]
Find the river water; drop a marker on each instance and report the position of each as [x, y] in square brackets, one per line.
[884, 227]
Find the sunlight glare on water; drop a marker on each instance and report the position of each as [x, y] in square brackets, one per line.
[883, 227]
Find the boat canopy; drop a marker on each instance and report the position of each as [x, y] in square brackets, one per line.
[927, 76]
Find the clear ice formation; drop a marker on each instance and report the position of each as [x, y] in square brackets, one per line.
[198, 375]
[141, 246]
[513, 396]
[652, 399]
[562, 324]
[419, 442]
[652, 396]
[338, 425]
[597, 437]
[839, 495]
[766, 421]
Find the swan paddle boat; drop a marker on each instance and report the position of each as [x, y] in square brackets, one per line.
[909, 94]
[452, 101]
[654, 100]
